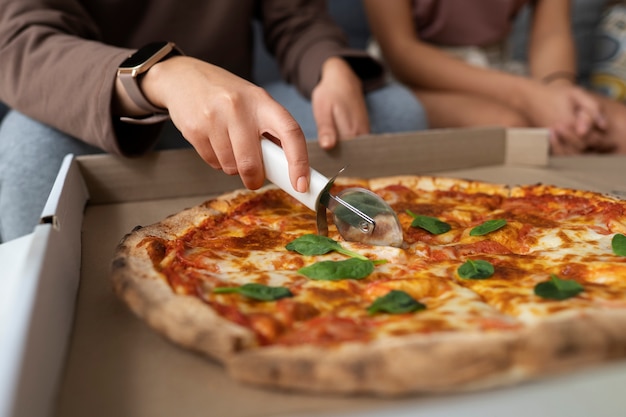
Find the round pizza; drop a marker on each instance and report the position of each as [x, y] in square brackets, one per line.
[492, 285]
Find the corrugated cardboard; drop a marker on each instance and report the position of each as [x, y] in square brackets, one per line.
[117, 366]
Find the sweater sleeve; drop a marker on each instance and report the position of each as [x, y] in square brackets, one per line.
[55, 70]
[301, 34]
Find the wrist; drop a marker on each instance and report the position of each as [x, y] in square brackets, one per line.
[559, 76]
[521, 93]
[333, 65]
[153, 83]
[131, 98]
[336, 69]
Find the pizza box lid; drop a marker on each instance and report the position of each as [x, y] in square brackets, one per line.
[71, 348]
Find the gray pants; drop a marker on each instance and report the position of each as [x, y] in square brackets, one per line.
[31, 152]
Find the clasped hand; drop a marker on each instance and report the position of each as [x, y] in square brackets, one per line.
[575, 118]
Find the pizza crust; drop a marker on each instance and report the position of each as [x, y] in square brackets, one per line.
[393, 366]
[184, 320]
[429, 183]
[447, 362]
[418, 363]
[546, 189]
[569, 341]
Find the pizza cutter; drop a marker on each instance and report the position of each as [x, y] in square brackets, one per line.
[359, 214]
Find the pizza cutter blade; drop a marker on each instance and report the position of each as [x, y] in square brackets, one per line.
[359, 214]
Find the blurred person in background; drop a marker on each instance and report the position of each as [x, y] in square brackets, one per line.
[453, 54]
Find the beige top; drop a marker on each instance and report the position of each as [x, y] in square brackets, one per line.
[59, 61]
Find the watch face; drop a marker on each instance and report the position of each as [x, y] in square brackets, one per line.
[142, 55]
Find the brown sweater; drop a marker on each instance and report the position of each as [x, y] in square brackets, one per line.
[58, 63]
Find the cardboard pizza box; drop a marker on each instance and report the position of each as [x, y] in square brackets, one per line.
[70, 348]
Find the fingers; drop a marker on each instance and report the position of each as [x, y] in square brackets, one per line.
[595, 141]
[339, 104]
[203, 147]
[599, 142]
[592, 108]
[280, 125]
[557, 146]
[595, 137]
[584, 135]
[567, 141]
[220, 142]
[233, 152]
[222, 153]
[352, 120]
[338, 119]
[572, 135]
[246, 161]
[223, 117]
[584, 123]
[577, 122]
[327, 135]
[297, 157]
[224, 142]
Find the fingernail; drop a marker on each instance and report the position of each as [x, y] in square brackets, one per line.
[302, 184]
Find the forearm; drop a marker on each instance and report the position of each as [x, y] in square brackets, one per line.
[51, 73]
[551, 52]
[303, 36]
[426, 67]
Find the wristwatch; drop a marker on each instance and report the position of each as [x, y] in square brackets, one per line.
[130, 71]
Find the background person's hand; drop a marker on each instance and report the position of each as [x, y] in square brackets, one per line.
[223, 116]
[339, 104]
[574, 117]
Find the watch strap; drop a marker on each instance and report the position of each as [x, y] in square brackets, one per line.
[131, 85]
[130, 82]
[147, 120]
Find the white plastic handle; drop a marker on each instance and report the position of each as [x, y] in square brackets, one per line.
[277, 171]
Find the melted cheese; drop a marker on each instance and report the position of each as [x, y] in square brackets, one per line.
[547, 232]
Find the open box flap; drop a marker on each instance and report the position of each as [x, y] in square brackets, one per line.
[36, 334]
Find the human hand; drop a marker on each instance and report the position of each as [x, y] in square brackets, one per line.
[596, 139]
[223, 116]
[574, 117]
[339, 104]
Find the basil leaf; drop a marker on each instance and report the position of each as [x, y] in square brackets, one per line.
[558, 289]
[488, 227]
[312, 245]
[477, 269]
[395, 302]
[430, 224]
[618, 243]
[256, 291]
[352, 268]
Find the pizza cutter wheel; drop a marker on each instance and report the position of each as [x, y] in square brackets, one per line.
[359, 214]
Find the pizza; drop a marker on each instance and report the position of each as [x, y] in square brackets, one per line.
[493, 285]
